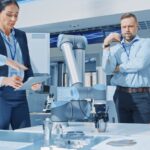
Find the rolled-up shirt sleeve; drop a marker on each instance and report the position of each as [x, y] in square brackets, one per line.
[108, 61]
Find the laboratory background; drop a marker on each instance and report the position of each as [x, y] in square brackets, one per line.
[74, 109]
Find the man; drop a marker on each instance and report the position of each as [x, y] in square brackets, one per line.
[129, 61]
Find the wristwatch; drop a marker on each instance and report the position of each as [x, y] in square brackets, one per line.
[105, 46]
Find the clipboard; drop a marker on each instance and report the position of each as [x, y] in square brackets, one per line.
[32, 80]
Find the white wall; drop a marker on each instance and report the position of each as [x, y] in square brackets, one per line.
[41, 12]
[39, 52]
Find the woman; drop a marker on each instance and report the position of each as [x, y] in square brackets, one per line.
[13, 44]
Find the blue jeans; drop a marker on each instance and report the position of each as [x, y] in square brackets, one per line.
[132, 107]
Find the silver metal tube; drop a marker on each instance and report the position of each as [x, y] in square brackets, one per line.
[80, 59]
[71, 63]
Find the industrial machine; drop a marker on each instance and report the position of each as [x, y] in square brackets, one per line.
[76, 102]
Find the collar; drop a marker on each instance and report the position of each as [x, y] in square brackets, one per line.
[136, 38]
[12, 33]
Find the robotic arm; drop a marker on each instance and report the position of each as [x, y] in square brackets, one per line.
[75, 102]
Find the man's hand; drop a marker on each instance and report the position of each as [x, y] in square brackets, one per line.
[112, 37]
[14, 81]
[117, 69]
[15, 65]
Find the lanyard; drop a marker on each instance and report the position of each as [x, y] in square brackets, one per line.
[12, 51]
[126, 51]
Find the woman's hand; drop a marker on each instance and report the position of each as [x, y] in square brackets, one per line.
[15, 65]
[36, 86]
[14, 81]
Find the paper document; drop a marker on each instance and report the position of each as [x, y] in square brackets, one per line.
[32, 80]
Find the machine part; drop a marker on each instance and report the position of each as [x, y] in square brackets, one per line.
[47, 131]
[89, 92]
[70, 61]
[58, 131]
[74, 110]
[49, 100]
[80, 60]
[79, 93]
[71, 102]
[68, 43]
[101, 117]
[101, 125]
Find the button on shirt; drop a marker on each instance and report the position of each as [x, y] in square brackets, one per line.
[133, 60]
[11, 46]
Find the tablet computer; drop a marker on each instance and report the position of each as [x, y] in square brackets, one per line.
[32, 80]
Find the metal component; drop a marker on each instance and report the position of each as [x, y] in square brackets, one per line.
[78, 41]
[71, 63]
[80, 60]
[80, 93]
[59, 131]
[71, 102]
[60, 73]
[101, 117]
[47, 132]
[48, 102]
[89, 92]
[74, 61]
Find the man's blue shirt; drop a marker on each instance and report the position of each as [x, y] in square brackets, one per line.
[133, 60]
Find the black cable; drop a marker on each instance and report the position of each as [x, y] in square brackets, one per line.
[84, 113]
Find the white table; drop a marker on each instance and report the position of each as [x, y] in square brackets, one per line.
[140, 133]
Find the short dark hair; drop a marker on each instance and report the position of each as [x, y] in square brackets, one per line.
[4, 3]
[128, 15]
